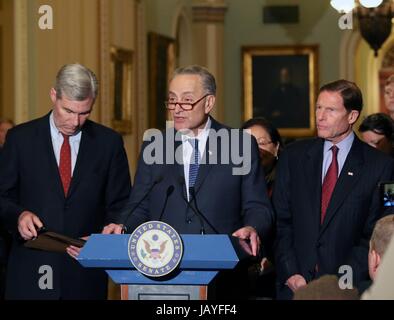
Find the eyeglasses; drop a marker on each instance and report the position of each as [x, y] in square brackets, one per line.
[187, 106]
[262, 142]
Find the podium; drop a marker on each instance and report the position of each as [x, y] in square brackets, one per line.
[203, 257]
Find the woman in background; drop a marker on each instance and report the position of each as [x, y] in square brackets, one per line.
[270, 144]
[262, 274]
[378, 131]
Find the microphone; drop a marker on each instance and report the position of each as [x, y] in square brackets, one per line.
[170, 190]
[195, 209]
[194, 199]
[157, 181]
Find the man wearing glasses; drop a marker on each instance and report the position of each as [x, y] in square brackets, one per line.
[199, 193]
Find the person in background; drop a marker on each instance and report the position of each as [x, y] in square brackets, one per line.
[5, 125]
[382, 287]
[269, 141]
[380, 240]
[378, 131]
[389, 95]
[5, 237]
[270, 145]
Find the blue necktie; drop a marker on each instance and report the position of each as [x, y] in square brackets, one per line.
[194, 163]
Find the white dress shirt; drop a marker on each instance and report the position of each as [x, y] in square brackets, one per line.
[57, 141]
[343, 150]
[188, 150]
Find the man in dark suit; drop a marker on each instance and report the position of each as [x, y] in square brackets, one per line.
[68, 174]
[326, 195]
[199, 177]
[5, 237]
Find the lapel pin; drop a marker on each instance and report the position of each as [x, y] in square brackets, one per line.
[350, 173]
[210, 152]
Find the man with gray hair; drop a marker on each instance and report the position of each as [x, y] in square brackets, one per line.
[67, 174]
[204, 190]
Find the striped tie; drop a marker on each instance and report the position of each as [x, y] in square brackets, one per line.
[194, 162]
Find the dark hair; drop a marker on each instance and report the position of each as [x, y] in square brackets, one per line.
[379, 123]
[350, 93]
[272, 131]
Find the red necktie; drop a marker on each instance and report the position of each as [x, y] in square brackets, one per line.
[65, 164]
[329, 182]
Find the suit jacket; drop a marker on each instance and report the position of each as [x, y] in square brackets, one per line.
[343, 238]
[30, 180]
[228, 201]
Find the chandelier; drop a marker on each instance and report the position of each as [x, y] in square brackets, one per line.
[374, 18]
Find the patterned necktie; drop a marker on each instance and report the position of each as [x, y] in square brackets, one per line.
[65, 164]
[329, 182]
[194, 162]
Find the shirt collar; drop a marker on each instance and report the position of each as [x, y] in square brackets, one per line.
[343, 145]
[202, 134]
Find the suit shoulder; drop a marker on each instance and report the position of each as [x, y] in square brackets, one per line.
[374, 154]
[27, 128]
[301, 145]
[102, 130]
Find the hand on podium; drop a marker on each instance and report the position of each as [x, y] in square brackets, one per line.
[113, 228]
[74, 251]
[249, 233]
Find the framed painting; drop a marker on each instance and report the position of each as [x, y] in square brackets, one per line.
[122, 85]
[161, 64]
[280, 83]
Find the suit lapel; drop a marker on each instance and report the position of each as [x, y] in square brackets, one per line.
[313, 172]
[348, 178]
[210, 157]
[85, 149]
[53, 169]
[177, 168]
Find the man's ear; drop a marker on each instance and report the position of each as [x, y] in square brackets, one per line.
[210, 103]
[52, 94]
[377, 260]
[373, 263]
[353, 116]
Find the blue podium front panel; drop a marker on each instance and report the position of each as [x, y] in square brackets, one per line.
[201, 278]
[201, 252]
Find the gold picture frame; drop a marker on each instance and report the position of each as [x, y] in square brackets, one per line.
[161, 65]
[280, 83]
[122, 87]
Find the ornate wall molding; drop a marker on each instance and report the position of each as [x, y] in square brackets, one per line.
[209, 13]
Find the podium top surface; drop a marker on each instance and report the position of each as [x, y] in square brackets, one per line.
[200, 252]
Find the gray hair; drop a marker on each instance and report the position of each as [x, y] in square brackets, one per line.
[76, 82]
[208, 80]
